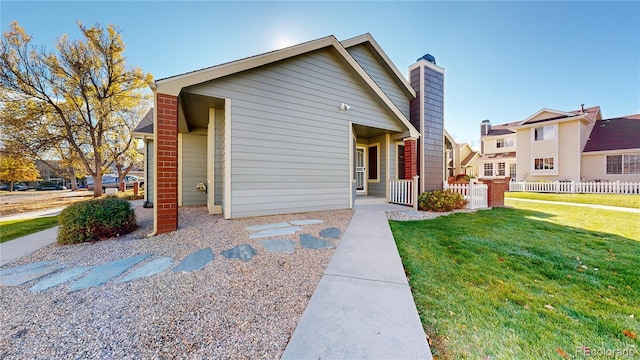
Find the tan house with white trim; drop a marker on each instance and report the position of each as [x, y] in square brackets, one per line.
[555, 145]
[460, 159]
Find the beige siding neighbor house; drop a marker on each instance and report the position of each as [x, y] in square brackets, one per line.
[498, 150]
[553, 145]
[305, 128]
[461, 159]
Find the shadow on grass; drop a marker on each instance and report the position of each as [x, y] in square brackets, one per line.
[508, 283]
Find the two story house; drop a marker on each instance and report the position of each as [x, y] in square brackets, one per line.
[566, 146]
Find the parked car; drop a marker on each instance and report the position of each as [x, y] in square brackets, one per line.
[111, 181]
[51, 187]
[20, 187]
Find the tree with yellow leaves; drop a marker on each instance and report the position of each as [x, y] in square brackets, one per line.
[82, 97]
[15, 168]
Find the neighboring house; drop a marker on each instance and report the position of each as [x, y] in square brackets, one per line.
[566, 146]
[612, 152]
[498, 150]
[304, 128]
[460, 158]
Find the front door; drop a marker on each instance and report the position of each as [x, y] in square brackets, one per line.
[361, 182]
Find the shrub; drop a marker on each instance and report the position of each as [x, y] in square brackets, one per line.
[441, 201]
[95, 220]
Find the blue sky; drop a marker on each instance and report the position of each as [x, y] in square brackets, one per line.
[504, 60]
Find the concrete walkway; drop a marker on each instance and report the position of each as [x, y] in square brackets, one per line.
[362, 307]
[603, 207]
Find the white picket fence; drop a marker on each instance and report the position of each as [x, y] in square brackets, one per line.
[404, 192]
[475, 193]
[573, 187]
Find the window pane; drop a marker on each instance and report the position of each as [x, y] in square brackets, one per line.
[631, 164]
[549, 132]
[539, 134]
[538, 164]
[501, 169]
[488, 169]
[500, 143]
[614, 164]
[373, 163]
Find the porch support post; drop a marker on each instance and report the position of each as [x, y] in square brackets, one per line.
[167, 163]
[410, 157]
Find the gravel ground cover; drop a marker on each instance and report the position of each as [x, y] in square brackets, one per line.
[410, 215]
[229, 309]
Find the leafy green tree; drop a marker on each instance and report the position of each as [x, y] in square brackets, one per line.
[82, 97]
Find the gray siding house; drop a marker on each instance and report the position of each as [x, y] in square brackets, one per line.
[305, 128]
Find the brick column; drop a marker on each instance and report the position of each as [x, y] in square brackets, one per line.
[410, 158]
[167, 163]
[495, 191]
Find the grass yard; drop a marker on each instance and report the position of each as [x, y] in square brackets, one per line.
[620, 200]
[535, 282]
[13, 229]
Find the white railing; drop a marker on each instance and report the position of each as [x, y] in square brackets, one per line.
[475, 193]
[404, 192]
[573, 187]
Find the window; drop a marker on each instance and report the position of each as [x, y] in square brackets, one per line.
[488, 169]
[544, 133]
[512, 170]
[544, 163]
[373, 162]
[502, 143]
[614, 164]
[623, 164]
[502, 169]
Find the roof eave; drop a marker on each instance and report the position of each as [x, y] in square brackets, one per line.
[367, 38]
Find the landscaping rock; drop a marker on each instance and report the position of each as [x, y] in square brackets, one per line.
[106, 272]
[306, 222]
[275, 232]
[279, 245]
[310, 242]
[333, 233]
[26, 267]
[195, 261]
[28, 275]
[60, 278]
[243, 252]
[152, 268]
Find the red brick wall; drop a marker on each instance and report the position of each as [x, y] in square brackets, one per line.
[167, 163]
[495, 191]
[410, 158]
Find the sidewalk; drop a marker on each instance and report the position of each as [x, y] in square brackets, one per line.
[15, 249]
[362, 307]
[603, 207]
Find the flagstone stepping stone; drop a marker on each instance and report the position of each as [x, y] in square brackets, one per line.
[25, 267]
[306, 222]
[310, 242]
[60, 278]
[103, 273]
[279, 245]
[195, 261]
[267, 226]
[333, 233]
[275, 232]
[149, 269]
[28, 275]
[243, 252]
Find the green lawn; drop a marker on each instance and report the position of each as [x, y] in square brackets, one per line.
[13, 229]
[620, 200]
[536, 282]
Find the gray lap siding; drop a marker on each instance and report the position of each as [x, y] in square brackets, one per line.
[289, 141]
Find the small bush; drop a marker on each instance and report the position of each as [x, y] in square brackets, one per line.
[441, 201]
[95, 220]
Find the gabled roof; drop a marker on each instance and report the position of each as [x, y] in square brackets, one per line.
[145, 125]
[469, 158]
[503, 129]
[591, 114]
[368, 39]
[173, 85]
[615, 134]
